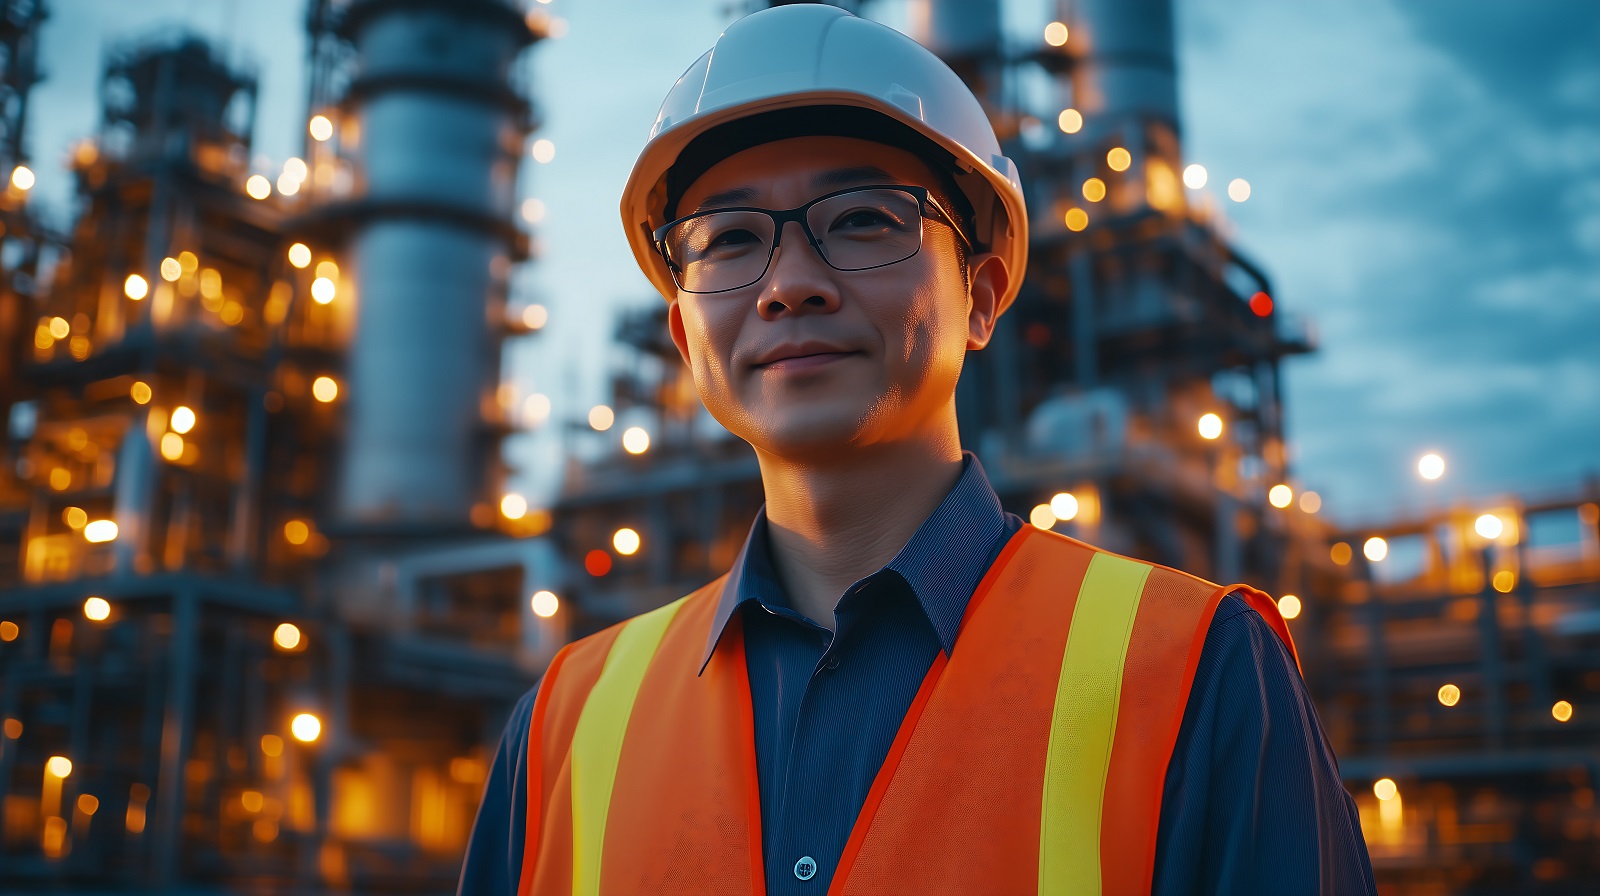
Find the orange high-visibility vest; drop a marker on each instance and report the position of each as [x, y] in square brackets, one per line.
[1031, 761]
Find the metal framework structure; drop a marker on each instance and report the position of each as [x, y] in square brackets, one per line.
[246, 544]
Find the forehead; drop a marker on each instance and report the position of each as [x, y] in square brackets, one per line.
[796, 169]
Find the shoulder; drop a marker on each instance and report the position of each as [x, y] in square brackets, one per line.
[580, 662]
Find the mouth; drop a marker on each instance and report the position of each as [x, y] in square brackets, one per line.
[811, 361]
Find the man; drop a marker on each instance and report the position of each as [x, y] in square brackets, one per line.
[898, 687]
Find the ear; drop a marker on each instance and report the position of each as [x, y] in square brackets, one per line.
[989, 278]
[675, 328]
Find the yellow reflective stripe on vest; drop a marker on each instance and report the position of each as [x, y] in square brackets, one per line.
[1084, 724]
[597, 739]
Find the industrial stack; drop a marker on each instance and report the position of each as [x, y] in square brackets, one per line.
[250, 466]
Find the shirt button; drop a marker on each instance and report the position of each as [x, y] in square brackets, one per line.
[832, 662]
[806, 868]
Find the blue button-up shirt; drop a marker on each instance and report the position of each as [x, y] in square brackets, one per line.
[1252, 801]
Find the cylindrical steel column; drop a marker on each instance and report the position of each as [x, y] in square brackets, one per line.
[440, 134]
[1125, 71]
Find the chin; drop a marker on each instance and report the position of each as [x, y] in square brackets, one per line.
[820, 431]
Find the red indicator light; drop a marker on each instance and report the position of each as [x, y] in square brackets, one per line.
[597, 562]
[1261, 304]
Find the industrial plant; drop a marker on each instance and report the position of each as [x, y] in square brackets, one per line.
[267, 595]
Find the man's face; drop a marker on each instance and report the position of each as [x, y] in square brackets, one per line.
[809, 360]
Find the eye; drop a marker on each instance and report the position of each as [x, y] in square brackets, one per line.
[731, 238]
[864, 219]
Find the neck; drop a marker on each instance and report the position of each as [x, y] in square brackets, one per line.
[832, 523]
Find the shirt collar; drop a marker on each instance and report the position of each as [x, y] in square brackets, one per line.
[943, 562]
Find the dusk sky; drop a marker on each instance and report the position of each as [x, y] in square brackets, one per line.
[1426, 190]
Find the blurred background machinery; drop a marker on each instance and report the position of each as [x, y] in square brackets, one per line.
[266, 598]
[251, 634]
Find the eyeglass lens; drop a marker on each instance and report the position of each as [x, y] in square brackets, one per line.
[857, 230]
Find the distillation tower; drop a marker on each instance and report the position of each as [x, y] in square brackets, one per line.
[252, 436]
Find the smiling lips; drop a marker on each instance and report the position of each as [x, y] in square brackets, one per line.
[804, 356]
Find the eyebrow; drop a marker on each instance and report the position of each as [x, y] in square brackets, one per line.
[838, 177]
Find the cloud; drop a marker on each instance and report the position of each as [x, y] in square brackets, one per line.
[1424, 181]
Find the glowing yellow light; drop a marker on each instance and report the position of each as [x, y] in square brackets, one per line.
[171, 270]
[97, 609]
[272, 745]
[533, 210]
[1094, 189]
[1194, 176]
[635, 440]
[324, 389]
[328, 268]
[1310, 502]
[171, 446]
[305, 727]
[1385, 788]
[1041, 516]
[251, 800]
[295, 168]
[1430, 466]
[1289, 606]
[1489, 526]
[1076, 219]
[1562, 711]
[543, 150]
[13, 728]
[601, 417]
[1375, 549]
[135, 287]
[536, 408]
[1055, 34]
[626, 541]
[323, 290]
[1119, 159]
[76, 518]
[1449, 694]
[545, 604]
[59, 328]
[286, 636]
[513, 506]
[1210, 426]
[299, 255]
[88, 803]
[296, 531]
[100, 531]
[1238, 189]
[287, 185]
[1064, 505]
[22, 177]
[59, 766]
[321, 128]
[183, 419]
[264, 829]
[1340, 553]
[1280, 496]
[258, 187]
[8, 630]
[1070, 121]
[534, 317]
[60, 478]
[1504, 581]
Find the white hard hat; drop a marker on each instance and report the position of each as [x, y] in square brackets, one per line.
[814, 55]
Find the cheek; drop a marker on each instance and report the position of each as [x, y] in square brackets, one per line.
[711, 334]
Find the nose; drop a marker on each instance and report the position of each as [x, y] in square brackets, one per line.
[799, 281]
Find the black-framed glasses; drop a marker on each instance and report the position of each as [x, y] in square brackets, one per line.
[852, 230]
